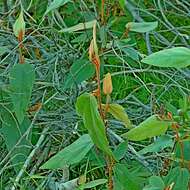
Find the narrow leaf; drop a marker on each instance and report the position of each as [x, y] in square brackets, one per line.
[141, 27]
[119, 113]
[94, 183]
[153, 126]
[56, 4]
[71, 154]
[178, 57]
[87, 107]
[80, 26]
[22, 78]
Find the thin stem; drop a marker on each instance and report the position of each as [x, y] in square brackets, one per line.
[107, 105]
[180, 144]
[99, 92]
[102, 11]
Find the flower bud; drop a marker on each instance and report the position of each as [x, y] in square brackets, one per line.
[19, 27]
[107, 84]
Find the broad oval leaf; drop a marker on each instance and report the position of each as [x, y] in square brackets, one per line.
[119, 113]
[141, 27]
[71, 154]
[178, 57]
[56, 4]
[87, 107]
[153, 126]
[19, 25]
[21, 78]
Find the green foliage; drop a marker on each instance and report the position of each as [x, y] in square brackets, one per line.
[57, 42]
[12, 132]
[123, 178]
[155, 183]
[21, 78]
[119, 113]
[121, 150]
[179, 176]
[153, 126]
[80, 26]
[182, 150]
[71, 154]
[178, 57]
[56, 4]
[94, 183]
[81, 70]
[160, 144]
[87, 107]
[141, 27]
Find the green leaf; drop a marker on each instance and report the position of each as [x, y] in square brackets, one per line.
[71, 154]
[12, 132]
[56, 4]
[121, 150]
[179, 176]
[22, 78]
[160, 143]
[185, 151]
[80, 26]
[153, 126]
[155, 183]
[94, 183]
[123, 178]
[119, 113]
[81, 70]
[19, 25]
[178, 57]
[141, 27]
[87, 107]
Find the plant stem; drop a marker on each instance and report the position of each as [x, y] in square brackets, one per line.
[102, 11]
[99, 92]
[180, 144]
[107, 105]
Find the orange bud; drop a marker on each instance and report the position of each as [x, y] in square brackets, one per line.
[107, 84]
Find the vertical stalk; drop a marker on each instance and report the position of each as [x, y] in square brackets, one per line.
[102, 11]
[110, 161]
[20, 39]
[99, 93]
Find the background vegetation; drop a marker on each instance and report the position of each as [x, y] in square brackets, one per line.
[59, 56]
